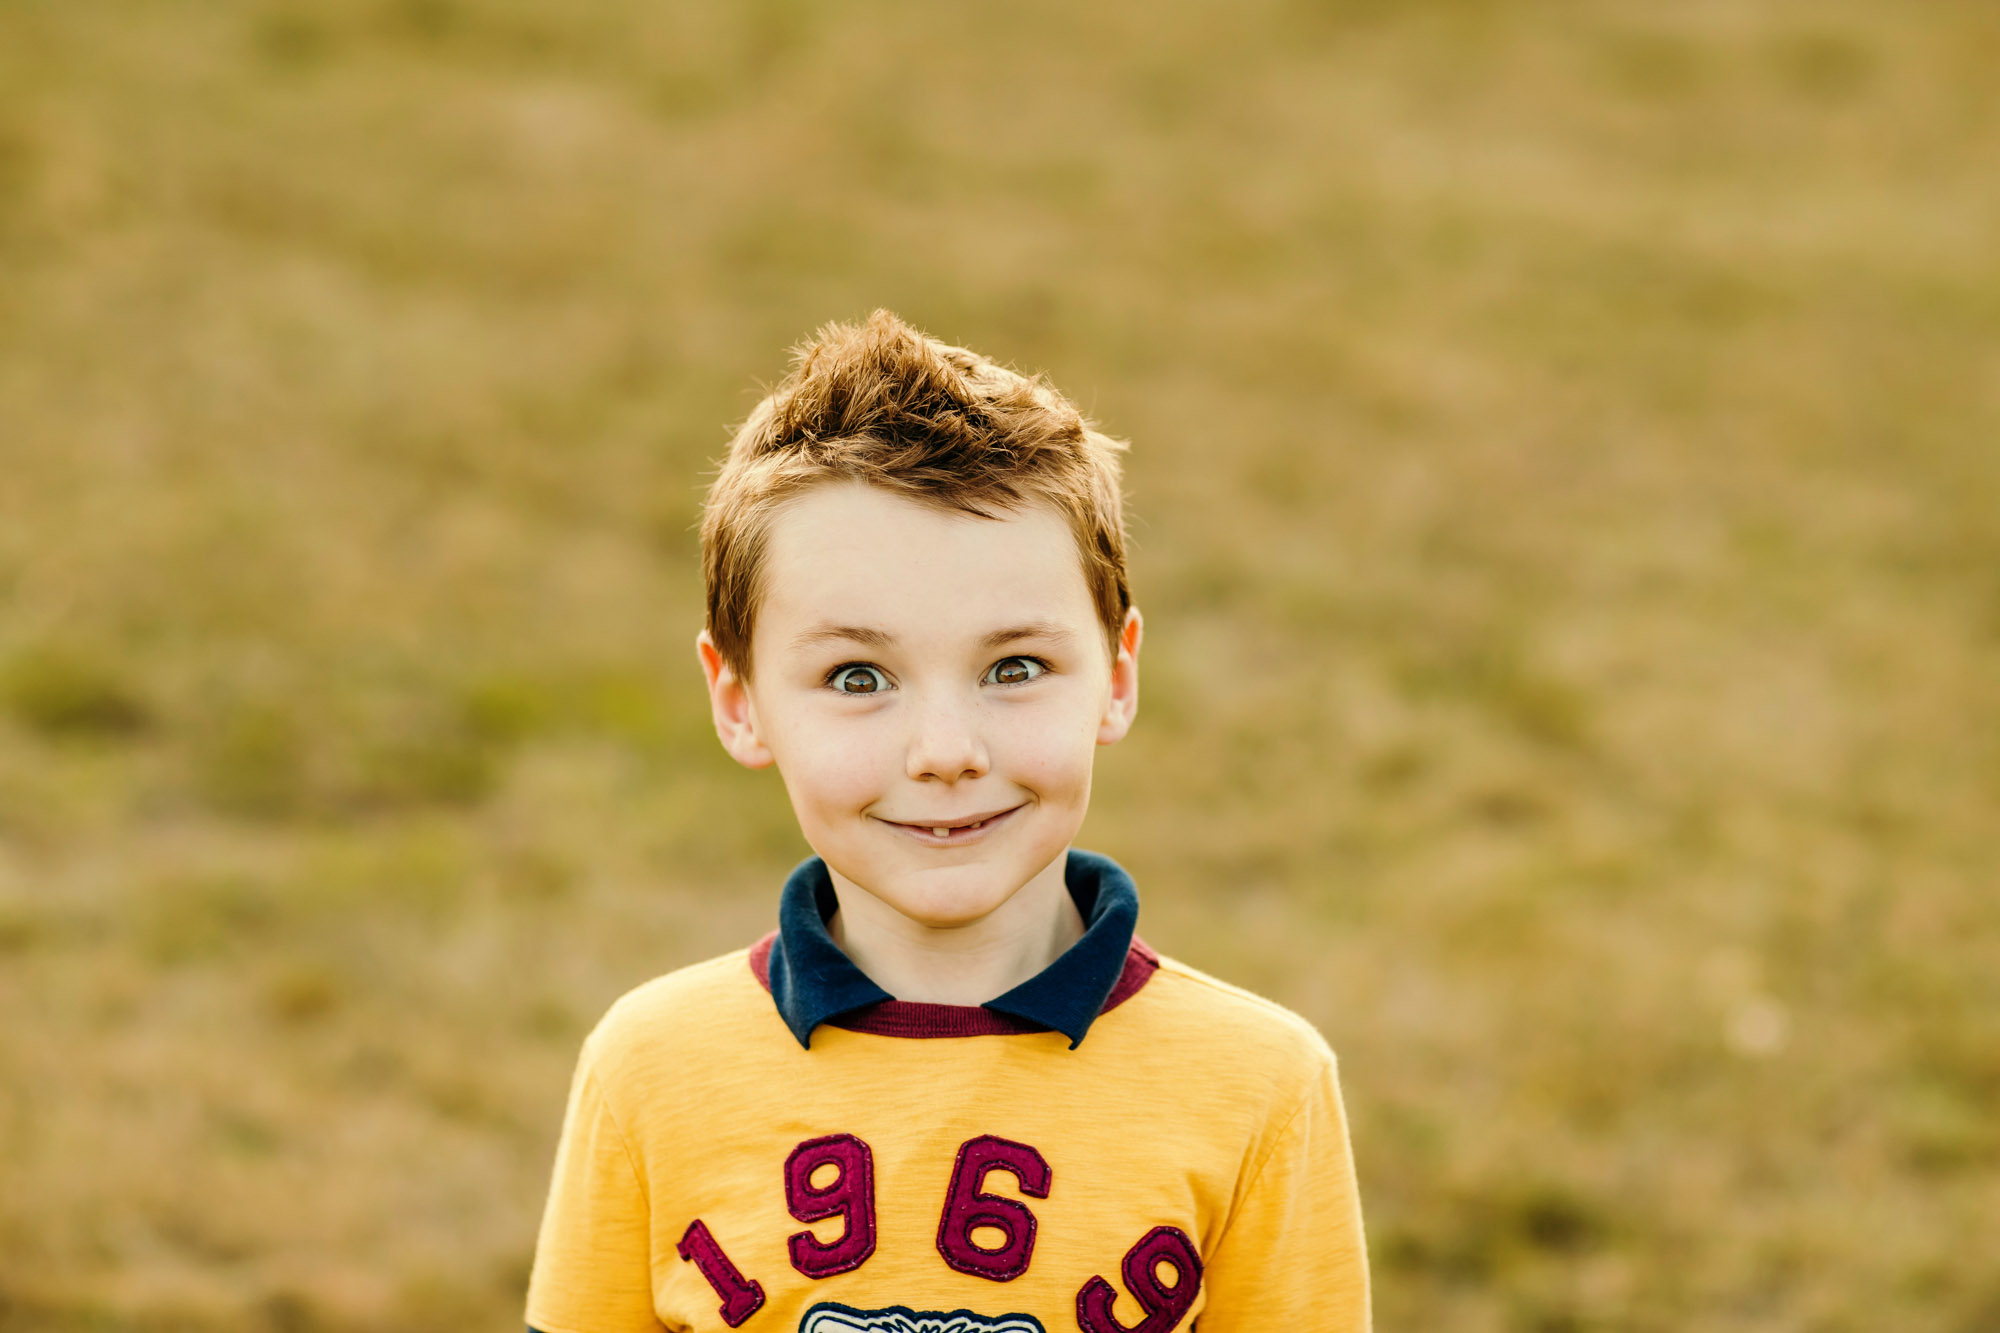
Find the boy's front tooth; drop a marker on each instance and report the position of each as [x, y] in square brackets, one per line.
[942, 832]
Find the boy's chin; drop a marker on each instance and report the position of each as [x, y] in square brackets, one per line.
[950, 897]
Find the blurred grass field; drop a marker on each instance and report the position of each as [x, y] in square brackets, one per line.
[1567, 477]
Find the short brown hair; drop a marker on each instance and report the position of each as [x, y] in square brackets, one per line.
[882, 403]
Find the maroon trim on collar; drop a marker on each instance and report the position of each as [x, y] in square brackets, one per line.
[760, 960]
[906, 1018]
[909, 1018]
[1140, 964]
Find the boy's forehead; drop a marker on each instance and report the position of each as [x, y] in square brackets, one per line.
[853, 555]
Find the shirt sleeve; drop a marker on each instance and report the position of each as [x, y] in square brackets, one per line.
[593, 1260]
[1293, 1254]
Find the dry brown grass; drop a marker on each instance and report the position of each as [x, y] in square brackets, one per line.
[1568, 462]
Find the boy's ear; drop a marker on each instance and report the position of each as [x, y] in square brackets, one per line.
[1123, 704]
[729, 701]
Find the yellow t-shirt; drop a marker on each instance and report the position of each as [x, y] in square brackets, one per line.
[1185, 1167]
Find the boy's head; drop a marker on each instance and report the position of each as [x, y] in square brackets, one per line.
[918, 609]
[883, 404]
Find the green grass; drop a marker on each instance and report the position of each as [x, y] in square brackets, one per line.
[1568, 517]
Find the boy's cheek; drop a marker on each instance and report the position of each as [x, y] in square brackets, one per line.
[843, 786]
[816, 755]
[1056, 748]
[1055, 780]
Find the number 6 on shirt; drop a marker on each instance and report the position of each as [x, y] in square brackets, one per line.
[967, 1207]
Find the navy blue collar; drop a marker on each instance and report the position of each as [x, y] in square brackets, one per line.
[812, 981]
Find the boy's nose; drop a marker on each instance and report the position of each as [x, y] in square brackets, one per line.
[946, 746]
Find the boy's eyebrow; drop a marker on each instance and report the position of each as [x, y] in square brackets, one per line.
[861, 634]
[1035, 629]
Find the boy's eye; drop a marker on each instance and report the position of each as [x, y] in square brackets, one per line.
[1014, 671]
[858, 680]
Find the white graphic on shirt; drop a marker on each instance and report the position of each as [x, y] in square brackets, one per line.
[827, 1317]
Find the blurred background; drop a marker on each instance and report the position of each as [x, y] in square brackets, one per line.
[1566, 478]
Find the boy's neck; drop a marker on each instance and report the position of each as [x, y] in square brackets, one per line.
[964, 965]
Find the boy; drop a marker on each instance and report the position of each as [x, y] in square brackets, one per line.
[953, 1092]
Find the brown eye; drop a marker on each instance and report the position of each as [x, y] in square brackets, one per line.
[1015, 671]
[858, 680]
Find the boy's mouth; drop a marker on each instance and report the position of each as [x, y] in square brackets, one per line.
[949, 831]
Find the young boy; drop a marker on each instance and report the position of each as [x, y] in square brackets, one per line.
[952, 1092]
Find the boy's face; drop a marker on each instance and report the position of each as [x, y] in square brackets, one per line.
[932, 687]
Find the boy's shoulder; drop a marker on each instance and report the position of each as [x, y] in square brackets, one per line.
[1214, 1012]
[1230, 1055]
[717, 1002]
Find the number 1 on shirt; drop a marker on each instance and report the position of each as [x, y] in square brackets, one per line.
[741, 1297]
